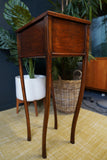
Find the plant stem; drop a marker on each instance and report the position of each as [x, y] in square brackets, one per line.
[31, 68]
[90, 13]
[62, 6]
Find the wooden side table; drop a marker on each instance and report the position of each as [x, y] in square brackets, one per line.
[52, 35]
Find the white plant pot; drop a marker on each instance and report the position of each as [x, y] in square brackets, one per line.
[35, 88]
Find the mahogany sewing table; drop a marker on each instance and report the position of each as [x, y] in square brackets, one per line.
[52, 35]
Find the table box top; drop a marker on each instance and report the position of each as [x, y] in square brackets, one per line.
[60, 34]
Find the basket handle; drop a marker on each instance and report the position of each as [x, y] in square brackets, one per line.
[77, 74]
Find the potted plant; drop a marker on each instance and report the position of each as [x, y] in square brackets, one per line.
[17, 14]
[67, 86]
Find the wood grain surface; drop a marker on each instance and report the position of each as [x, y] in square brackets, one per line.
[97, 74]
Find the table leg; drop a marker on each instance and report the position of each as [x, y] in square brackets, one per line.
[54, 107]
[17, 105]
[25, 101]
[47, 106]
[76, 114]
[36, 109]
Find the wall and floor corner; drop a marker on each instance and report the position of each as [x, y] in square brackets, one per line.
[8, 70]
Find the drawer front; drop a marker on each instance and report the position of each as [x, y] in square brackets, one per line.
[67, 36]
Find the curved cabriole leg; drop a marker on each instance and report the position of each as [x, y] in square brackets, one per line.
[25, 101]
[47, 104]
[54, 107]
[76, 114]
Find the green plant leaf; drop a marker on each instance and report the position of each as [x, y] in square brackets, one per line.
[56, 6]
[21, 16]
[17, 14]
[4, 39]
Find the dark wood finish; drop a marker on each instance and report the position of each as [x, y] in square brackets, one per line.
[54, 107]
[18, 101]
[84, 67]
[60, 35]
[66, 55]
[97, 74]
[53, 14]
[48, 44]
[65, 34]
[37, 35]
[62, 40]
[25, 101]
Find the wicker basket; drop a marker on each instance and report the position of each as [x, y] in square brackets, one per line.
[66, 94]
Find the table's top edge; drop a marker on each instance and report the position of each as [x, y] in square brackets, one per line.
[54, 14]
[68, 17]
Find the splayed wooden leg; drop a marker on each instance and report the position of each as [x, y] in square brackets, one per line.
[54, 107]
[25, 101]
[76, 114]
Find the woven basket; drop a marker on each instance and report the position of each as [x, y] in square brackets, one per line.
[66, 94]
